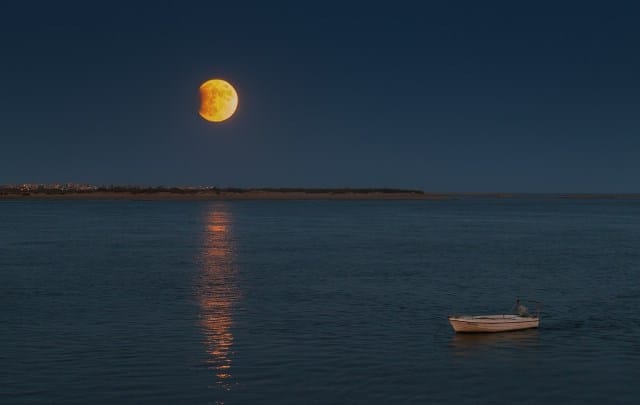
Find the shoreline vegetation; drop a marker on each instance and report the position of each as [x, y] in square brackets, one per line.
[89, 192]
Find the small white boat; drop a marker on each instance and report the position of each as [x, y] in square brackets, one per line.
[496, 323]
[492, 323]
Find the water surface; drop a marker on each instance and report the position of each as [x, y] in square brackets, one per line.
[317, 301]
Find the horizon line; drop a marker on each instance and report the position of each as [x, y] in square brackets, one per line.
[88, 187]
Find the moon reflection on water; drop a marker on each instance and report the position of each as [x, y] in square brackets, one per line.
[217, 292]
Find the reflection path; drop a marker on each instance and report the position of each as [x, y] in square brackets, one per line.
[217, 291]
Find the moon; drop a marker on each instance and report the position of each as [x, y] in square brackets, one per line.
[218, 100]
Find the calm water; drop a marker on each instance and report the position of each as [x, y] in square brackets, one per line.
[317, 302]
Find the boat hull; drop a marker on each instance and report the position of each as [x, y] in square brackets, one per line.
[492, 323]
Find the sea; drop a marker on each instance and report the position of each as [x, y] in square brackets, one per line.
[328, 302]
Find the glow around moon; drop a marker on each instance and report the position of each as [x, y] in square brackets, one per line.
[218, 100]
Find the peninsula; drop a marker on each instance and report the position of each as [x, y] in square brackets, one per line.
[90, 192]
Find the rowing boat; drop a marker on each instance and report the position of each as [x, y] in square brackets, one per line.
[492, 323]
[497, 323]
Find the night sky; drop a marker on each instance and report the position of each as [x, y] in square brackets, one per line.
[444, 96]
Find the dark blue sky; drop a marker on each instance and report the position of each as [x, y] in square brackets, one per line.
[449, 96]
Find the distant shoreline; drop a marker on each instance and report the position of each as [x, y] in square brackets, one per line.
[216, 196]
[175, 193]
[187, 194]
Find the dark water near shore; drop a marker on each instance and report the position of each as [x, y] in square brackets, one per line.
[317, 301]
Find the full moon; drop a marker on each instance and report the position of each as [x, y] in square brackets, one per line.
[218, 100]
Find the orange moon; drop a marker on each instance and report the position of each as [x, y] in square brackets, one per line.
[218, 100]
